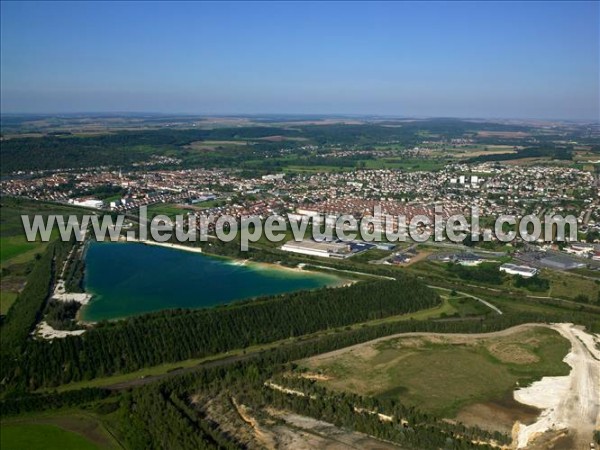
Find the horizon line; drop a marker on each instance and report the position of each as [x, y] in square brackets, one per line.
[285, 114]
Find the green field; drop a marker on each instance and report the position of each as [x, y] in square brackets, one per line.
[42, 437]
[410, 165]
[444, 374]
[16, 253]
[316, 169]
[174, 209]
[60, 429]
[7, 298]
[371, 255]
[567, 285]
[167, 209]
[13, 246]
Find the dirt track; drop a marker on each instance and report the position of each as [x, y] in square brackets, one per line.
[469, 336]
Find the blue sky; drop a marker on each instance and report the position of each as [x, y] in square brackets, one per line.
[463, 59]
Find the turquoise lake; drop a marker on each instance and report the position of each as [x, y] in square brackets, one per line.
[128, 279]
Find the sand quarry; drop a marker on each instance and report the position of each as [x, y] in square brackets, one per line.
[568, 403]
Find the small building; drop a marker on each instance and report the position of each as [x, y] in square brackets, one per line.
[514, 269]
[385, 246]
[467, 259]
[579, 249]
[400, 259]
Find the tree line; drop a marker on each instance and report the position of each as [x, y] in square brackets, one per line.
[169, 336]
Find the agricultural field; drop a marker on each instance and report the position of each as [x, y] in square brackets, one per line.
[315, 169]
[69, 430]
[213, 145]
[167, 209]
[47, 437]
[12, 235]
[449, 375]
[407, 164]
[471, 151]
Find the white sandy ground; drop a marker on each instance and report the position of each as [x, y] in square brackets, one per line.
[571, 402]
[63, 296]
[186, 248]
[45, 331]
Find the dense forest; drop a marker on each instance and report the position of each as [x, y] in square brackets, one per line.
[27, 309]
[177, 335]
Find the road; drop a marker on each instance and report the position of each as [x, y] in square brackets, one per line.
[505, 332]
[480, 300]
[354, 272]
[226, 361]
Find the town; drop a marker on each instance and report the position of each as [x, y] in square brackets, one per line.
[494, 189]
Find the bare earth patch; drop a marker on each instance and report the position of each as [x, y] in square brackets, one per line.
[512, 353]
[497, 416]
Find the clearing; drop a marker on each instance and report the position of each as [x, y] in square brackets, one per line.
[468, 377]
[58, 430]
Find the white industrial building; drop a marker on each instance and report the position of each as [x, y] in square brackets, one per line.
[273, 177]
[514, 269]
[88, 203]
[338, 250]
